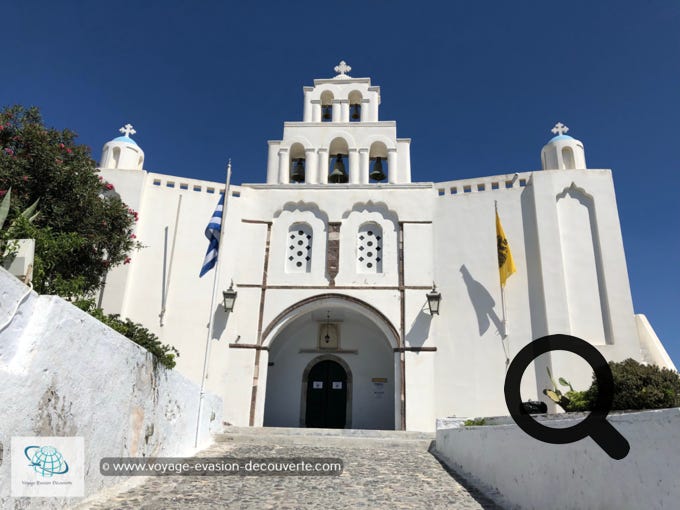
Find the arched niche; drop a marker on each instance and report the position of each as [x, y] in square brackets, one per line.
[355, 99]
[327, 106]
[568, 158]
[338, 153]
[378, 161]
[586, 291]
[297, 163]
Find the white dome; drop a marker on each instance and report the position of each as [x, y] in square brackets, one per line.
[563, 152]
[123, 152]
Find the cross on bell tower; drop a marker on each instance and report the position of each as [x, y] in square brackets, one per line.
[559, 129]
[127, 130]
[342, 69]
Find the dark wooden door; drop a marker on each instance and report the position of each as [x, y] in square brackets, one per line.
[326, 396]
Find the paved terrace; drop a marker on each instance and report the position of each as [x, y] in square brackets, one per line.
[382, 469]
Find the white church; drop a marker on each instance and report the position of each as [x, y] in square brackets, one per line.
[333, 260]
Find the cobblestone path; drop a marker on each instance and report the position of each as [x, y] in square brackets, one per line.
[382, 470]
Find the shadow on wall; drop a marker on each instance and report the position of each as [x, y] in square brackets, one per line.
[219, 322]
[420, 328]
[483, 303]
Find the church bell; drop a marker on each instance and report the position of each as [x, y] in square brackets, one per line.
[377, 173]
[298, 173]
[356, 112]
[338, 174]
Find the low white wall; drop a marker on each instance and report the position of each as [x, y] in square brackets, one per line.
[522, 472]
[63, 373]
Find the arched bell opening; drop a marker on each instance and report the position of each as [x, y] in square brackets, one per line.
[355, 106]
[378, 162]
[326, 106]
[116, 157]
[568, 162]
[339, 161]
[297, 163]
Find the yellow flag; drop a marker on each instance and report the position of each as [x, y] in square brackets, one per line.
[506, 266]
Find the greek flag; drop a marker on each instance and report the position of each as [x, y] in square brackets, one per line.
[212, 232]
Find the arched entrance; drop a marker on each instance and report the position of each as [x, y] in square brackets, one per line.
[326, 386]
[351, 381]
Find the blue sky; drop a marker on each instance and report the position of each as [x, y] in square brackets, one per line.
[476, 85]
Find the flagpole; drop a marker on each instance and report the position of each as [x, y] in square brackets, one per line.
[504, 334]
[212, 302]
[505, 313]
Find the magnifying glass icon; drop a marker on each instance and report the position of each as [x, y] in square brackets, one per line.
[595, 424]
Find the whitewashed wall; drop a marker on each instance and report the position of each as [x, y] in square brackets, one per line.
[448, 237]
[63, 373]
[542, 297]
[522, 472]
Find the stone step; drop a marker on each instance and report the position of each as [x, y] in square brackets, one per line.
[295, 431]
[336, 438]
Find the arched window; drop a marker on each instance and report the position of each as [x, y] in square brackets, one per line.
[299, 252]
[297, 163]
[338, 152]
[568, 158]
[116, 156]
[355, 106]
[369, 248]
[378, 161]
[326, 106]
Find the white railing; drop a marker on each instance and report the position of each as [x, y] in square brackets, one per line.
[479, 184]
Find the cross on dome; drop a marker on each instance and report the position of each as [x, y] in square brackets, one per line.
[559, 129]
[127, 130]
[342, 68]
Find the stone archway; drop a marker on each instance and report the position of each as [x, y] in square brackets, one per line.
[367, 351]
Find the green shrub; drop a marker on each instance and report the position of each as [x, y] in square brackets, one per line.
[83, 229]
[475, 422]
[578, 401]
[163, 354]
[638, 386]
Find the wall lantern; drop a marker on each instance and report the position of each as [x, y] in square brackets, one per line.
[229, 297]
[433, 299]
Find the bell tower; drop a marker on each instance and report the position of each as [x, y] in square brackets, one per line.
[123, 152]
[340, 139]
[562, 152]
